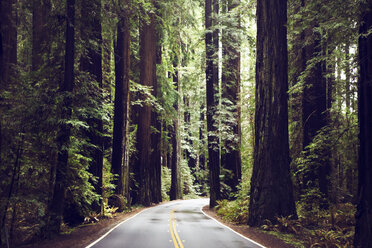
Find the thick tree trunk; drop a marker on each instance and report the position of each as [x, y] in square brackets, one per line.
[120, 163]
[147, 78]
[156, 135]
[363, 228]
[63, 138]
[8, 61]
[91, 62]
[8, 19]
[314, 106]
[271, 186]
[314, 96]
[176, 188]
[211, 42]
[231, 159]
[187, 154]
[40, 34]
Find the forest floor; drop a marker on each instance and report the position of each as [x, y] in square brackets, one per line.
[84, 235]
[254, 234]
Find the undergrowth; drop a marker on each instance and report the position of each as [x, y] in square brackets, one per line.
[234, 211]
[315, 228]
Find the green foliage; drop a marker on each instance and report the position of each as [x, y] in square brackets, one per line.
[108, 187]
[317, 228]
[187, 180]
[165, 182]
[333, 228]
[201, 182]
[234, 211]
[283, 225]
[109, 211]
[330, 238]
[80, 190]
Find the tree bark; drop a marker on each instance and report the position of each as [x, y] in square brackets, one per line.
[231, 159]
[211, 42]
[363, 227]
[8, 60]
[40, 34]
[8, 19]
[202, 136]
[176, 188]
[120, 144]
[348, 78]
[314, 106]
[147, 78]
[91, 62]
[271, 186]
[63, 137]
[156, 133]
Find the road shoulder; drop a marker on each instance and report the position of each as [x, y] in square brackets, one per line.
[84, 235]
[255, 234]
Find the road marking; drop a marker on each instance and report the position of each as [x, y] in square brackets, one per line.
[112, 229]
[176, 239]
[254, 242]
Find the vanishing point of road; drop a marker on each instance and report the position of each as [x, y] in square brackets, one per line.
[178, 224]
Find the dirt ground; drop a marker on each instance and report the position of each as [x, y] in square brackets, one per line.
[254, 234]
[84, 235]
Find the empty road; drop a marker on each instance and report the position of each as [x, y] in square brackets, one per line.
[178, 224]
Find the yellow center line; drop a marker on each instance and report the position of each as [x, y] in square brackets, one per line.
[173, 230]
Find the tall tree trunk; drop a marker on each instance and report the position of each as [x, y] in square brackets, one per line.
[187, 154]
[314, 115]
[348, 78]
[156, 133]
[231, 159]
[120, 144]
[314, 96]
[349, 171]
[63, 137]
[211, 42]
[8, 19]
[8, 60]
[271, 186]
[363, 227]
[147, 78]
[202, 136]
[91, 62]
[176, 188]
[40, 34]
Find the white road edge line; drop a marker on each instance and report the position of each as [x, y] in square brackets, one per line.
[254, 242]
[112, 229]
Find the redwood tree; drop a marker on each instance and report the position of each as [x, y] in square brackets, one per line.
[91, 62]
[314, 106]
[363, 228]
[120, 142]
[147, 78]
[230, 158]
[40, 33]
[8, 60]
[211, 71]
[176, 188]
[155, 171]
[63, 137]
[271, 186]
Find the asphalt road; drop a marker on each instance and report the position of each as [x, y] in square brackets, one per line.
[178, 224]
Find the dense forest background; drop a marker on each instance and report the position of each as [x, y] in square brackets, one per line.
[263, 106]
